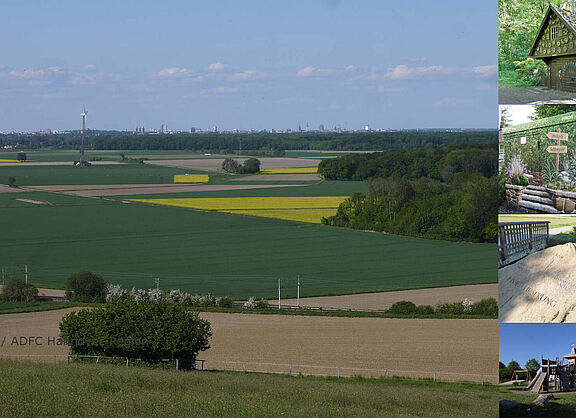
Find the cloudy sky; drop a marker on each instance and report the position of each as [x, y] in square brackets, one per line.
[248, 64]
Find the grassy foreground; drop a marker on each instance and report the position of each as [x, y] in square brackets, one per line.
[563, 406]
[31, 389]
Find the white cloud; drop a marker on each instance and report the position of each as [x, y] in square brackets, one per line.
[222, 90]
[217, 66]
[403, 72]
[312, 71]
[350, 68]
[448, 102]
[486, 71]
[175, 72]
[247, 75]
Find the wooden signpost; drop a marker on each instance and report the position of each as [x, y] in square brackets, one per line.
[557, 149]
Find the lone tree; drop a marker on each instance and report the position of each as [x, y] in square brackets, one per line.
[16, 290]
[251, 166]
[12, 182]
[229, 165]
[85, 287]
[21, 156]
[149, 331]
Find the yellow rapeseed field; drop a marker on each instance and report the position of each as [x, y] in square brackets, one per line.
[300, 170]
[303, 209]
[191, 178]
[9, 161]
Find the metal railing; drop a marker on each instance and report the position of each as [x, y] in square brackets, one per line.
[518, 239]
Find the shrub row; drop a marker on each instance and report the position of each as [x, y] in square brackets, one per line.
[485, 307]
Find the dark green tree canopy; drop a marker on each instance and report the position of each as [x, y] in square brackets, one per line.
[85, 287]
[150, 331]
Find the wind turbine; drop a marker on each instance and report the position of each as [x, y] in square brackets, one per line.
[83, 114]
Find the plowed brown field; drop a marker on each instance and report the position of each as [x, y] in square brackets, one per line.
[456, 349]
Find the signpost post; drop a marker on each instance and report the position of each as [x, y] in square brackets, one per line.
[557, 149]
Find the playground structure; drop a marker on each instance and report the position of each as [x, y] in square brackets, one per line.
[554, 375]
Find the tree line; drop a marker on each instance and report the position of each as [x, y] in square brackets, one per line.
[268, 142]
[447, 193]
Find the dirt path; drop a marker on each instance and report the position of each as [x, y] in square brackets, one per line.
[456, 347]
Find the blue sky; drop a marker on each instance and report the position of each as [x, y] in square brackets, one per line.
[252, 64]
[521, 342]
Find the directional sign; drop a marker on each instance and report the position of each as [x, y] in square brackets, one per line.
[557, 135]
[553, 149]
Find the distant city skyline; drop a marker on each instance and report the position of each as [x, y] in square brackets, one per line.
[256, 65]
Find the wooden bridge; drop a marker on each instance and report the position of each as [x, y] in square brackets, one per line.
[518, 239]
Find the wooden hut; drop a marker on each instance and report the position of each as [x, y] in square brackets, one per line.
[555, 44]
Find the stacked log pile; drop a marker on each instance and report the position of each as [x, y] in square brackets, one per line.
[540, 199]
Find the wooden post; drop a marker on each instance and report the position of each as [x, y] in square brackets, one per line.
[177, 368]
[338, 372]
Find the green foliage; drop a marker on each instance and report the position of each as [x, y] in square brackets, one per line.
[403, 307]
[486, 307]
[21, 156]
[224, 302]
[531, 71]
[230, 166]
[521, 180]
[519, 21]
[16, 290]
[505, 373]
[85, 286]
[250, 166]
[12, 182]
[541, 112]
[148, 331]
[532, 366]
[262, 304]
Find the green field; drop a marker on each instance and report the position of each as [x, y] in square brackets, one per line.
[97, 174]
[32, 389]
[204, 252]
[74, 155]
[207, 252]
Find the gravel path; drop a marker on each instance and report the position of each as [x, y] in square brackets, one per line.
[534, 95]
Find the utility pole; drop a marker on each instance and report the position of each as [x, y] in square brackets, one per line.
[278, 293]
[157, 283]
[26, 274]
[298, 294]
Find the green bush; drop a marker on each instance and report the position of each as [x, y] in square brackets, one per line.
[224, 302]
[150, 332]
[16, 290]
[487, 307]
[403, 307]
[86, 287]
[21, 156]
[262, 304]
[521, 180]
[424, 310]
[455, 308]
[250, 166]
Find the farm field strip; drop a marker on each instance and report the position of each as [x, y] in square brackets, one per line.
[53, 163]
[555, 220]
[280, 177]
[452, 346]
[303, 209]
[299, 170]
[383, 300]
[215, 164]
[169, 188]
[191, 178]
[8, 189]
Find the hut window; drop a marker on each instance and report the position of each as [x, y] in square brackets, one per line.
[554, 32]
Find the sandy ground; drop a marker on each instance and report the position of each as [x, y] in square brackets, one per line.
[160, 188]
[534, 95]
[48, 292]
[51, 163]
[6, 189]
[215, 164]
[384, 300]
[456, 349]
[280, 177]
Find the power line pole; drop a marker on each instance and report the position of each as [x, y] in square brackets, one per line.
[157, 283]
[26, 274]
[278, 293]
[298, 294]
